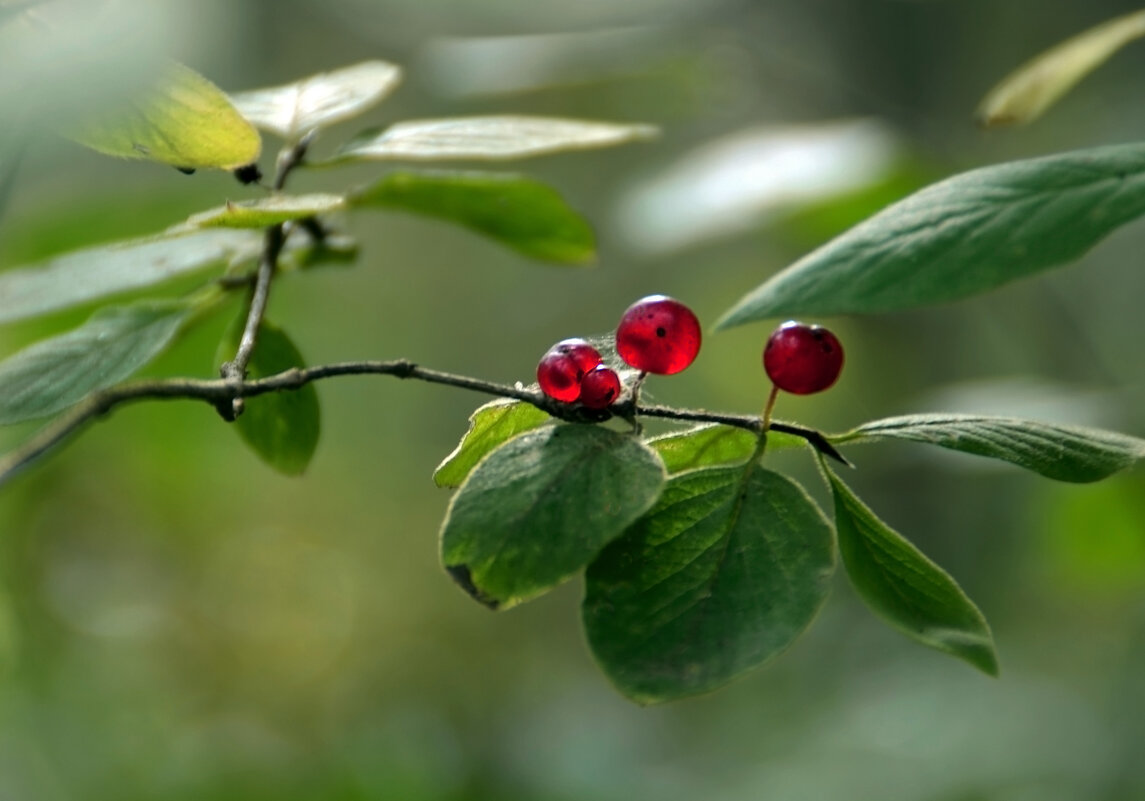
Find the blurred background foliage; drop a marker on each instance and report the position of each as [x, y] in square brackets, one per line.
[178, 621]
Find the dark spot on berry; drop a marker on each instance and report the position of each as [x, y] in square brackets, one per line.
[660, 332]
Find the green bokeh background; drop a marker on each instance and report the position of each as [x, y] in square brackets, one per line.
[178, 621]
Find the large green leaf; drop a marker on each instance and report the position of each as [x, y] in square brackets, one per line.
[265, 211]
[520, 212]
[487, 138]
[536, 510]
[281, 427]
[962, 236]
[714, 444]
[1035, 86]
[55, 373]
[490, 426]
[728, 568]
[1065, 453]
[320, 100]
[93, 273]
[911, 592]
[182, 119]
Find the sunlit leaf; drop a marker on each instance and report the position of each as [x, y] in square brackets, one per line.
[728, 568]
[911, 592]
[488, 138]
[320, 100]
[1035, 86]
[490, 426]
[525, 214]
[965, 235]
[93, 273]
[281, 427]
[536, 510]
[1061, 452]
[266, 211]
[713, 444]
[182, 119]
[55, 373]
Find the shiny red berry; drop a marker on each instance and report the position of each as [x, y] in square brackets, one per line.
[658, 334]
[564, 365]
[599, 388]
[802, 359]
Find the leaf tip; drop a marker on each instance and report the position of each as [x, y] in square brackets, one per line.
[464, 579]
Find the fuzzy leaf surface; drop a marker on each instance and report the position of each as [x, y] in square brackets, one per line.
[539, 508]
[906, 588]
[490, 426]
[182, 119]
[523, 213]
[55, 373]
[1060, 452]
[960, 237]
[92, 273]
[489, 138]
[281, 427]
[320, 100]
[728, 568]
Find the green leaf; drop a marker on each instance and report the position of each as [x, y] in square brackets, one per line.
[728, 568]
[93, 273]
[536, 510]
[265, 212]
[714, 444]
[487, 138]
[490, 426]
[1061, 452]
[1035, 86]
[908, 590]
[527, 215]
[182, 119]
[281, 427]
[56, 373]
[320, 100]
[962, 236]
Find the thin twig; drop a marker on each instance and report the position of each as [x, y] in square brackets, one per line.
[220, 392]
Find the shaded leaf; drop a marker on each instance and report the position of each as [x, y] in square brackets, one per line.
[1061, 452]
[536, 510]
[182, 119]
[265, 212]
[490, 426]
[728, 568]
[908, 590]
[55, 373]
[525, 214]
[488, 138]
[93, 273]
[281, 427]
[1035, 86]
[320, 100]
[965, 235]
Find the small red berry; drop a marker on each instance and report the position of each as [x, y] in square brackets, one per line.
[564, 365]
[658, 334]
[802, 359]
[599, 388]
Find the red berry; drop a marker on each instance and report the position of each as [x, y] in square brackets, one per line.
[599, 388]
[802, 359]
[658, 335]
[561, 369]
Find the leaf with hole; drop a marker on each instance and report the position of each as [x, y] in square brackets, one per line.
[539, 508]
[968, 234]
[56, 373]
[522, 213]
[490, 426]
[1061, 452]
[320, 100]
[908, 590]
[491, 138]
[281, 427]
[728, 568]
[182, 119]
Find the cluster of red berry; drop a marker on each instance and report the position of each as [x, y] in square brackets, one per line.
[661, 335]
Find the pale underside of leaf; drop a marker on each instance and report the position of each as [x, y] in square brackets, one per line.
[265, 212]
